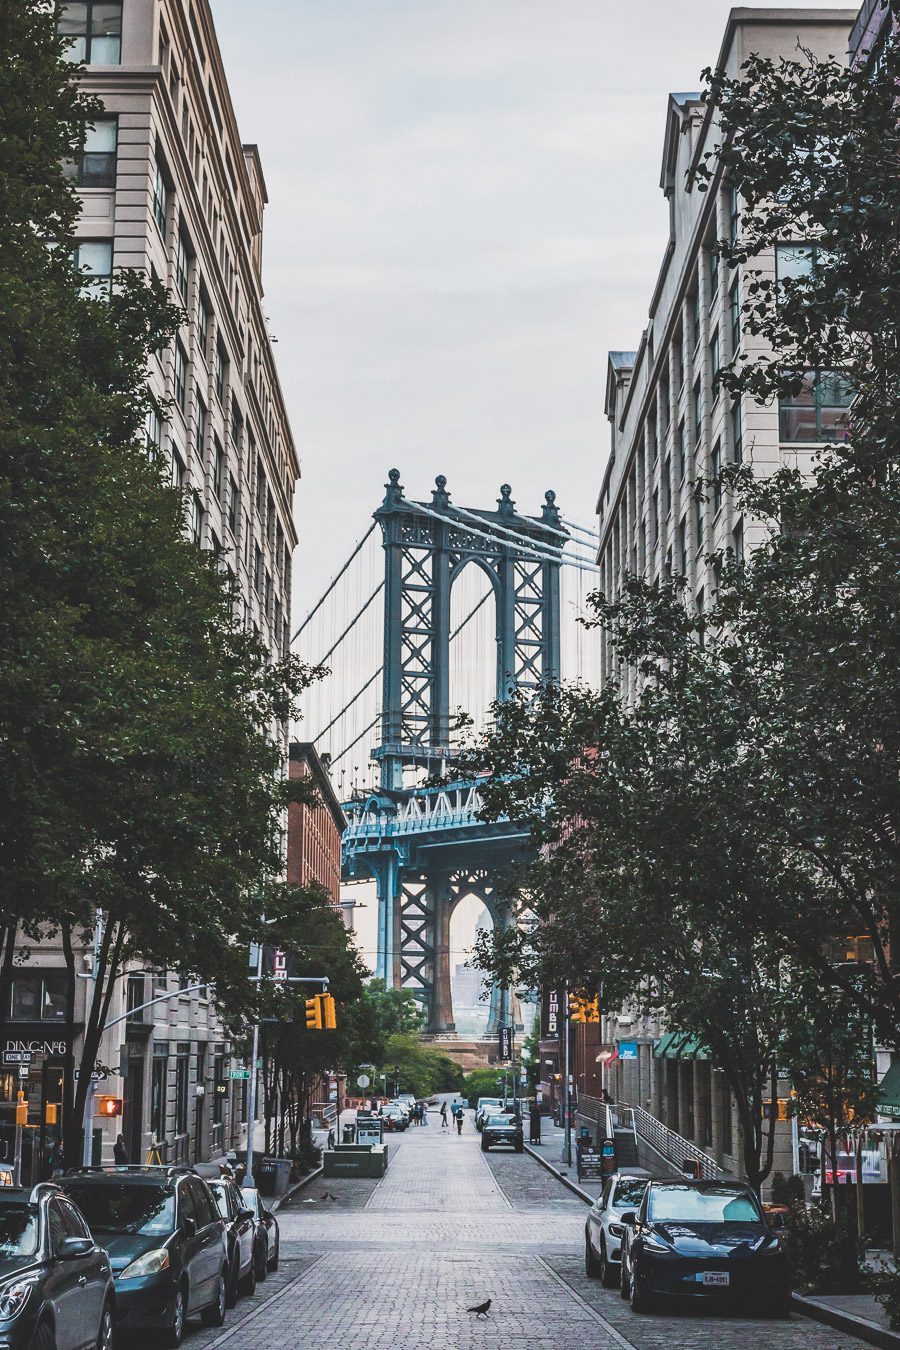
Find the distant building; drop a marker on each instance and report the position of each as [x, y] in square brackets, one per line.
[870, 31]
[314, 832]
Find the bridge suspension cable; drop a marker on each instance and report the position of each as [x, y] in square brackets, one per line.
[581, 529]
[527, 546]
[347, 748]
[334, 581]
[471, 614]
[523, 538]
[352, 624]
[349, 704]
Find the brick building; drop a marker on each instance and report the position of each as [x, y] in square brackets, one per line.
[314, 832]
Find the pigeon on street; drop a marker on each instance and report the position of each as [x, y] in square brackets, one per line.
[481, 1308]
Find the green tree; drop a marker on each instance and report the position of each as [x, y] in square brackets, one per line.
[139, 772]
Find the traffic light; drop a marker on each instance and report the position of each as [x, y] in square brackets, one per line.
[50, 1113]
[109, 1106]
[576, 1009]
[592, 1009]
[313, 1014]
[21, 1110]
[328, 1010]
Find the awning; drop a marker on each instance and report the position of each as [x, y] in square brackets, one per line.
[680, 1045]
[609, 1058]
[889, 1092]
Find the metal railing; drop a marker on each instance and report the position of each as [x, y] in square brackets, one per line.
[674, 1147]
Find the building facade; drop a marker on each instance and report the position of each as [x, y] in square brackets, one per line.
[168, 188]
[314, 830]
[671, 426]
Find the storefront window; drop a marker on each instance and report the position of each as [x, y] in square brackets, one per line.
[38, 996]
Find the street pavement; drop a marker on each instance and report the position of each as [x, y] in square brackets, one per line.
[396, 1263]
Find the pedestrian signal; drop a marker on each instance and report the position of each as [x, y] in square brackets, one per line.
[328, 1010]
[109, 1106]
[21, 1110]
[313, 1014]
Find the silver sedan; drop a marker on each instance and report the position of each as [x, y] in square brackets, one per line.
[622, 1191]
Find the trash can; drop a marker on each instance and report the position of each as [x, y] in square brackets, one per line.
[348, 1134]
[264, 1173]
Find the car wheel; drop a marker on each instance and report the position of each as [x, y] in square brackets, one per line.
[484, 1144]
[639, 1302]
[248, 1283]
[608, 1277]
[623, 1280]
[231, 1284]
[273, 1264]
[520, 1148]
[214, 1315]
[591, 1268]
[43, 1338]
[107, 1331]
[174, 1333]
[261, 1256]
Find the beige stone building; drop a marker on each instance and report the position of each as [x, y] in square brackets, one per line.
[168, 188]
[670, 425]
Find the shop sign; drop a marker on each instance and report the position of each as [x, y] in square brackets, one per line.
[550, 1015]
[31, 1047]
[628, 1050]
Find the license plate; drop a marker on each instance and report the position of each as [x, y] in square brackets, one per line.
[716, 1279]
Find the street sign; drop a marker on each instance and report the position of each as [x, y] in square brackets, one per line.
[23, 1070]
[363, 1080]
[241, 1075]
[17, 1056]
[95, 1076]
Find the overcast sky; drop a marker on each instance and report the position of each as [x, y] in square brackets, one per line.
[464, 217]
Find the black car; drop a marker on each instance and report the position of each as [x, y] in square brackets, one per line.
[166, 1243]
[502, 1129]
[240, 1234]
[268, 1234]
[56, 1288]
[703, 1239]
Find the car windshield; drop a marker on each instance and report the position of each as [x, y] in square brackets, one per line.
[251, 1199]
[500, 1120]
[116, 1208]
[629, 1192]
[716, 1204]
[18, 1230]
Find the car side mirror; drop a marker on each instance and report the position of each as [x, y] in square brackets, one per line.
[75, 1248]
[188, 1226]
[629, 1218]
[246, 1214]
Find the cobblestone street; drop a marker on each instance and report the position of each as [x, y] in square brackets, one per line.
[399, 1261]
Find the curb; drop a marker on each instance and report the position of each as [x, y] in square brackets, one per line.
[298, 1186]
[576, 1189]
[839, 1320]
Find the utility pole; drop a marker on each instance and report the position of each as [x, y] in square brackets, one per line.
[251, 1094]
[87, 1149]
[567, 1102]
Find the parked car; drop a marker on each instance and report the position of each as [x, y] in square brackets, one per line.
[483, 1106]
[502, 1129]
[240, 1235]
[703, 1239]
[166, 1244]
[407, 1101]
[267, 1247]
[394, 1117]
[603, 1228]
[56, 1286]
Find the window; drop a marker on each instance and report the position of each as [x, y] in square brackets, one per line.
[180, 375]
[38, 995]
[232, 504]
[182, 1074]
[655, 512]
[737, 541]
[734, 312]
[221, 372]
[182, 264]
[203, 317]
[697, 410]
[94, 32]
[699, 532]
[680, 445]
[694, 316]
[177, 470]
[270, 518]
[237, 427]
[734, 215]
[187, 1209]
[667, 484]
[160, 198]
[200, 430]
[817, 410]
[701, 623]
[134, 998]
[153, 428]
[218, 468]
[96, 165]
[794, 262]
[257, 570]
[197, 520]
[715, 462]
[737, 440]
[713, 255]
[93, 258]
[159, 1080]
[260, 488]
[714, 362]
[682, 546]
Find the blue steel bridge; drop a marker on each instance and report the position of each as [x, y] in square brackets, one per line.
[439, 609]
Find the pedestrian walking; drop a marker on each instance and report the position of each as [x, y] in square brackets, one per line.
[453, 1109]
[420, 1113]
[424, 1113]
[444, 1121]
[459, 1121]
[120, 1152]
